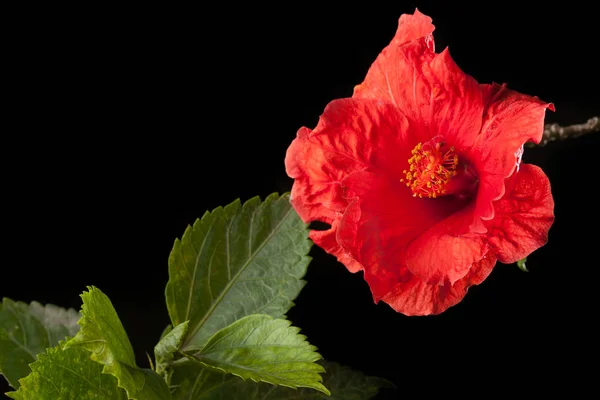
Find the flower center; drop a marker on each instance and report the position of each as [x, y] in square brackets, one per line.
[432, 165]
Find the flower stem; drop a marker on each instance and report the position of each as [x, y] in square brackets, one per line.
[554, 131]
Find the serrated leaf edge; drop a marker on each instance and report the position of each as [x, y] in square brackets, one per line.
[62, 345]
[28, 306]
[106, 366]
[210, 217]
[318, 385]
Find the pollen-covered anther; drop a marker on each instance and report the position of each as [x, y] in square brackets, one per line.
[431, 167]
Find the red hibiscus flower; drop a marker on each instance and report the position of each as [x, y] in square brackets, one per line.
[419, 175]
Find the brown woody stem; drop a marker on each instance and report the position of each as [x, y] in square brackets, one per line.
[554, 131]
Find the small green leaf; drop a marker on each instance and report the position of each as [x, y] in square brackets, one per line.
[164, 350]
[103, 334]
[67, 375]
[521, 265]
[236, 261]
[193, 382]
[101, 330]
[26, 331]
[261, 348]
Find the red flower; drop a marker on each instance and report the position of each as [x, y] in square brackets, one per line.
[419, 175]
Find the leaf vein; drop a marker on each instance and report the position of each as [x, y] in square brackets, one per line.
[193, 279]
[232, 281]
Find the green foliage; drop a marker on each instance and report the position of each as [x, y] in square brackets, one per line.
[261, 348]
[236, 261]
[103, 334]
[197, 383]
[26, 331]
[232, 278]
[67, 374]
[165, 349]
[193, 381]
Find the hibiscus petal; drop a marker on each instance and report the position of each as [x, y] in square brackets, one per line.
[392, 77]
[441, 254]
[510, 119]
[413, 27]
[368, 134]
[328, 242]
[316, 193]
[456, 103]
[381, 221]
[523, 216]
[351, 135]
[415, 297]
[430, 89]
[396, 77]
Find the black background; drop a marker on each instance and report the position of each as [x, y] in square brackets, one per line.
[125, 125]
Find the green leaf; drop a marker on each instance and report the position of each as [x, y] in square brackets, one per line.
[521, 265]
[67, 375]
[26, 331]
[197, 383]
[103, 334]
[261, 348]
[191, 381]
[348, 384]
[236, 261]
[166, 347]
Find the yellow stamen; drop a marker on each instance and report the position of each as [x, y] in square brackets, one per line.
[430, 169]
